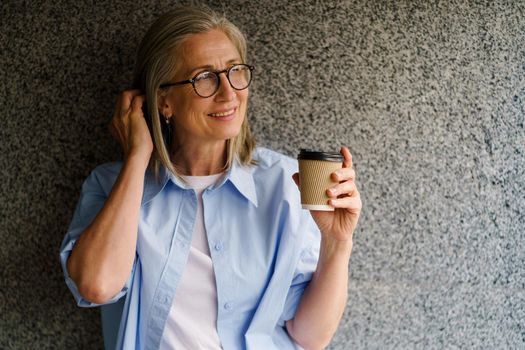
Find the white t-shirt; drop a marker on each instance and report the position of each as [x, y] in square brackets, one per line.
[192, 321]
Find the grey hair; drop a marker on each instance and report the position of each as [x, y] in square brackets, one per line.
[157, 61]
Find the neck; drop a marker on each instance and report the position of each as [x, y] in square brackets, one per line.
[201, 160]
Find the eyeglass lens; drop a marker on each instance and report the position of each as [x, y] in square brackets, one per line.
[207, 83]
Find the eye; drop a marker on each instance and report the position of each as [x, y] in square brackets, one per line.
[238, 69]
[205, 76]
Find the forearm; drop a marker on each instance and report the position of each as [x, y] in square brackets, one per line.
[324, 300]
[103, 256]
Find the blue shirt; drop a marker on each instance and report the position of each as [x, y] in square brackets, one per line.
[263, 246]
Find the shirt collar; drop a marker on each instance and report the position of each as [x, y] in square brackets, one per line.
[240, 176]
[154, 184]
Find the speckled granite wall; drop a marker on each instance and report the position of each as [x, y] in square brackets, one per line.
[429, 97]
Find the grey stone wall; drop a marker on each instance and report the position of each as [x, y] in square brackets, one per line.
[427, 95]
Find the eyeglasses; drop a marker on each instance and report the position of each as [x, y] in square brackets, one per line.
[207, 83]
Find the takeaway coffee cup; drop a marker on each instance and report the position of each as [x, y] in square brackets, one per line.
[315, 168]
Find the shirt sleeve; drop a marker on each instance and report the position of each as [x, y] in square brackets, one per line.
[92, 199]
[305, 268]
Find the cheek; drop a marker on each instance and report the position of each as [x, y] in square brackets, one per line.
[243, 98]
[244, 94]
[187, 106]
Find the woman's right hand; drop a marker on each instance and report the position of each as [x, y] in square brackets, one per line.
[103, 256]
[129, 127]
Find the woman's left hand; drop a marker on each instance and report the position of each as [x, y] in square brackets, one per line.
[345, 198]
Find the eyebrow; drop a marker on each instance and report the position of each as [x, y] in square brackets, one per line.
[210, 67]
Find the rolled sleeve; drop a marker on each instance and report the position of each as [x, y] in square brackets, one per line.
[305, 268]
[92, 199]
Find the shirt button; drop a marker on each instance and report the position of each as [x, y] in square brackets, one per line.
[228, 306]
[218, 246]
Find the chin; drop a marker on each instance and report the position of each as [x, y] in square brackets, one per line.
[229, 131]
[230, 135]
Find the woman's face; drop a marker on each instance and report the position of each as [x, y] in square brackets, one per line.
[205, 121]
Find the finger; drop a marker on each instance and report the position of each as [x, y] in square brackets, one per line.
[126, 98]
[346, 188]
[345, 152]
[353, 204]
[136, 103]
[343, 174]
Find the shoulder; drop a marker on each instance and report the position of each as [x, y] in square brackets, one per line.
[107, 170]
[103, 177]
[277, 190]
[268, 159]
[273, 172]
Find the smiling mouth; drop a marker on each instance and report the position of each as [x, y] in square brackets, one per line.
[223, 114]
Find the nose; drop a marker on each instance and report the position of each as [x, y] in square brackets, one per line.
[226, 92]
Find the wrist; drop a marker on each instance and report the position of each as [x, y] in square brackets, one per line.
[331, 247]
[138, 159]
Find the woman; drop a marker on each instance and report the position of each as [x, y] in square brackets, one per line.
[199, 232]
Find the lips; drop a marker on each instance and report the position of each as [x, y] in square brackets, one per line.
[224, 114]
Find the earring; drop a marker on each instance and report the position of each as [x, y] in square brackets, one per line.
[167, 131]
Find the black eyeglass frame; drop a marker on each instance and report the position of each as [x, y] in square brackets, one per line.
[227, 71]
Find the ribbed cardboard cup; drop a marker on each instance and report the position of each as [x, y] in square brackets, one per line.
[315, 168]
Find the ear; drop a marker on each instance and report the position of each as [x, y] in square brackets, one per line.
[164, 106]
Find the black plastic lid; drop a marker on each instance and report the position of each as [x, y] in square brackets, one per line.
[320, 155]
